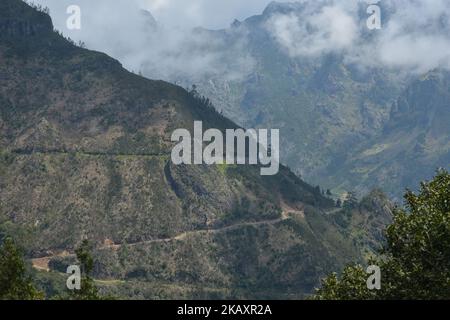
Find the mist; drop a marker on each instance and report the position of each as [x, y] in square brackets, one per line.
[171, 40]
[415, 35]
[168, 50]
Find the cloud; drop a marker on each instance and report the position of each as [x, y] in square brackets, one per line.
[195, 54]
[167, 51]
[315, 32]
[415, 35]
[213, 14]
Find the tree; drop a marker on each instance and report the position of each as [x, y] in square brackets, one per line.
[88, 290]
[351, 201]
[318, 190]
[15, 283]
[194, 91]
[415, 262]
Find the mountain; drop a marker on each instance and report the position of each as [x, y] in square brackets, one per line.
[364, 222]
[334, 116]
[85, 154]
[413, 142]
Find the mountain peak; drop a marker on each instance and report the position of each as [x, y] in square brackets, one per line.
[150, 20]
[17, 18]
[281, 7]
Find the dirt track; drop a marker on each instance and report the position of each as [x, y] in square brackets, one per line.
[43, 262]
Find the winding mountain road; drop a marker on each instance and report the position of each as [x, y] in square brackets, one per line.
[43, 262]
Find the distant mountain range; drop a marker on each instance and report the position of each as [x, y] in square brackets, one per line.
[85, 154]
[342, 126]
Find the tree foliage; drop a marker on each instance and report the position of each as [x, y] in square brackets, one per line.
[15, 282]
[88, 290]
[415, 262]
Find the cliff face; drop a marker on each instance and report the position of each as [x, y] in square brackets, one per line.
[85, 153]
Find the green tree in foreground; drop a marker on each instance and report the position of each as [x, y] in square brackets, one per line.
[15, 283]
[88, 289]
[415, 263]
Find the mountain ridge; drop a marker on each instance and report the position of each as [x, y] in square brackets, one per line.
[84, 154]
[323, 105]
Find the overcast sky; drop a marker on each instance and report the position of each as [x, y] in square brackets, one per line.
[206, 13]
[214, 14]
[416, 36]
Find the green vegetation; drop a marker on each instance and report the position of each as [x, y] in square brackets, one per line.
[18, 282]
[415, 262]
[89, 161]
[342, 127]
[15, 279]
[88, 290]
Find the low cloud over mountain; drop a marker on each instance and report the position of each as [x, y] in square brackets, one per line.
[409, 29]
[301, 28]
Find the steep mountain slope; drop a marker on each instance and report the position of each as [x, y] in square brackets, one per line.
[330, 111]
[85, 153]
[364, 222]
[414, 142]
[321, 104]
